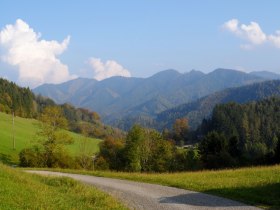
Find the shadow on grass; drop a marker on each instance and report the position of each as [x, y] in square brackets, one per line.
[267, 196]
[263, 195]
[201, 199]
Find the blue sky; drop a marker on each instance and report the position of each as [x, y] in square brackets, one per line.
[137, 38]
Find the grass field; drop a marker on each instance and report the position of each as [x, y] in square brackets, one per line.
[25, 135]
[20, 191]
[259, 186]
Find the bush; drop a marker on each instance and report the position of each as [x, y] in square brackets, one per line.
[101, 164]
[31, 157]
[85, 162]
[36, 157]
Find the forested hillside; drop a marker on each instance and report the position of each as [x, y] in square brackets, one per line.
[198, 110]
[16, 99]
[22, 102]
[242, 134]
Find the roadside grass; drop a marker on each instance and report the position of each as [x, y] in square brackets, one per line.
[25, 136]
[259, 186]
[20, 191]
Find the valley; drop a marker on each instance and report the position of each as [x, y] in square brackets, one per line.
[126, 101]
[139, 105]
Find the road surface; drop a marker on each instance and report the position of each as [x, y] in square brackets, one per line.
[144, 196]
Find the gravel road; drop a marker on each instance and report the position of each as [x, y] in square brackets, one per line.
[154, 197]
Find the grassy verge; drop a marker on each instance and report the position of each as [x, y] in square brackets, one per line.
[20, 191]
[259, 186]
[25, 136]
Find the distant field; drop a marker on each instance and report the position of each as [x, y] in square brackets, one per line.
[25, 136]
[259, 186]
[20, 190]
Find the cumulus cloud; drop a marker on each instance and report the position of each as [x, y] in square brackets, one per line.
[110, 68]
[232, 25]
[35, 58]
[252, 33]
[275, 39]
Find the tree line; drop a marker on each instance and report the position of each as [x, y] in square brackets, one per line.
[236, 135]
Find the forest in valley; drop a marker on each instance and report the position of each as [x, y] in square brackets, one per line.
[235, 135]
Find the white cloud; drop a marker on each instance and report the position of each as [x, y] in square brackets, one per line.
[252, 32]
[275, 39]
[232, 25]
[35, 58]
[107, 69]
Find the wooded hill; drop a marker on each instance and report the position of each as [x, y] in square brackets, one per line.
[202, 108]
[22, 102]
[241, 134]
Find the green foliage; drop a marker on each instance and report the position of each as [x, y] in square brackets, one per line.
[111, 150]
[133, 150]
[52, 152]
[143, 150]
[146, 150]
[241, 134]
[193, 159]
[180, 131]
[85, 156]
[26, 136]
[31, 157]
[85, 161]
[161, 154]
[50, 148]
[214, 151]
[101, 163]
[15, 99]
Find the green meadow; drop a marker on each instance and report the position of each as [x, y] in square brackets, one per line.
[259, 186]
[25, 135]
[20, 191]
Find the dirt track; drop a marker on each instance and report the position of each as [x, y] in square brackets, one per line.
[155, 197]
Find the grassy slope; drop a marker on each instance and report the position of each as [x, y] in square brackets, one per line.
[258, 186]
[20, 191]
[25, 135]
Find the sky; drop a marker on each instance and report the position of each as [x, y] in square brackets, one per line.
[55, 41]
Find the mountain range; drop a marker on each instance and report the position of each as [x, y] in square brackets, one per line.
[123, 101]
[202, 108]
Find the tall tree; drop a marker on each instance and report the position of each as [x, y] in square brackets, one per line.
[133, 148]
[180, 131]
[53, 137]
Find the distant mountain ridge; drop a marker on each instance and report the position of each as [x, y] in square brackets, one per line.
[266, 75]
[117, 98]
